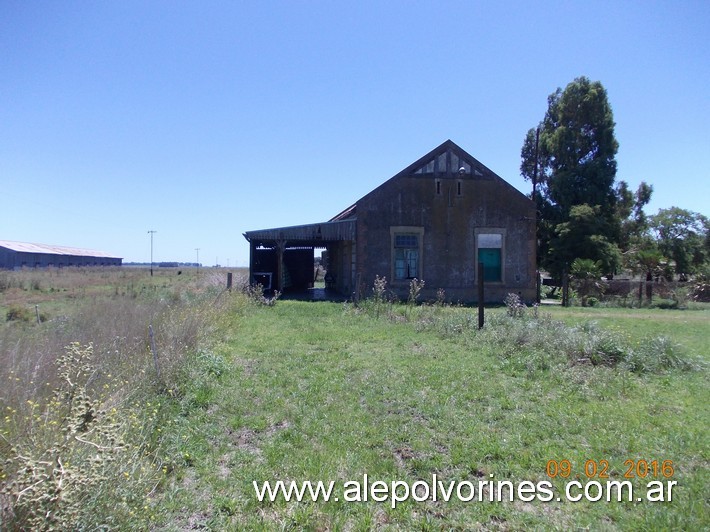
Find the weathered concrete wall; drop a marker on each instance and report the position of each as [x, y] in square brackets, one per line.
[340, 258]
[450, 215]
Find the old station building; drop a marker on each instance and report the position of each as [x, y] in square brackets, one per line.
[433, 221]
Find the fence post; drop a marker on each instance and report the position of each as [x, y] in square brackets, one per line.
[229, 281]
[480, 295]
[538, 287]
[565, 288]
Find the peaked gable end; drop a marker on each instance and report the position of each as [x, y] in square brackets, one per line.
[450, 160]
[446, 160]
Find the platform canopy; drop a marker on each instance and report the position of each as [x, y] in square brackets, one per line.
[309, 235]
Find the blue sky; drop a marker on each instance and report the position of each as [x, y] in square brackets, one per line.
[202, 120]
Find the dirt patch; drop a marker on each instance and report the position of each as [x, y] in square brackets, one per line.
[245, 439]
[248, 439]
[402, 455]
[247, 365]
[223, 470]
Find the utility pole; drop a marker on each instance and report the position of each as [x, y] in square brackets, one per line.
[537, 214]
[198, 259]
[151, 232]
[537, 146]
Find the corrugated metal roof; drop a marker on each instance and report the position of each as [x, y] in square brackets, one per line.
[27, 247]
[309, 234]
[347, 214]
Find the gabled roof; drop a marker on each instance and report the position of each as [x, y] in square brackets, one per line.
[446, 160]
[27, 247]
[348, 214]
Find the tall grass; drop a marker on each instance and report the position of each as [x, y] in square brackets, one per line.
[83, 393]
[534, 339]
[92, 437]
[403, 391]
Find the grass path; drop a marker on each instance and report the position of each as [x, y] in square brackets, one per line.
[314, 392]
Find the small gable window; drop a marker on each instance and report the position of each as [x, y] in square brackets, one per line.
[446, 163]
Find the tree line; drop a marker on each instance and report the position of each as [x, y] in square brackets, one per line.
[588, 221]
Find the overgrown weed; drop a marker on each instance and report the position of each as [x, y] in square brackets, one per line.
[544, 342]
[256, 294]
[83, 407]
[71, 467]
[531, 339]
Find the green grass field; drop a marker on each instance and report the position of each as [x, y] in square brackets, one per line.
[321, 392]
[687, 327]
[327, 392]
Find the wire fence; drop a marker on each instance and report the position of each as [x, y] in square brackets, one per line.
[635, 292]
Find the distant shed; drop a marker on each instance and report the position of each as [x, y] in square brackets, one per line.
[14, 255]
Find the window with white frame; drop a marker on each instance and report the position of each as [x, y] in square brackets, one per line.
[407, 255]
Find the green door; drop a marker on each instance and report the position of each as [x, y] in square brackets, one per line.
[490, 257]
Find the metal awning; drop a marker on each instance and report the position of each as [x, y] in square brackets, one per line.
[309, 235]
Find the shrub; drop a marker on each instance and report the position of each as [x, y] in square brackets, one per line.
[75, 461]
[656, 355]
[680, 296]
[19, 313]
[600, 346]
[4, 281]
[541, 343]
[700, 290]
[255, 293]
[415, 288]
[514, 306]
[63, 462]
[440, 297]
[212, 364]
[586, 279]
[378, 288]
[666, 304]
[379, 296]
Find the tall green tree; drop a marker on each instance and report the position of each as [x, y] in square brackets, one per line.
[583, 236]
[571, 160]
[634, 222]
[682, 236]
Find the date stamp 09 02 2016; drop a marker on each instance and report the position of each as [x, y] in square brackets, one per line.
[600, 469]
